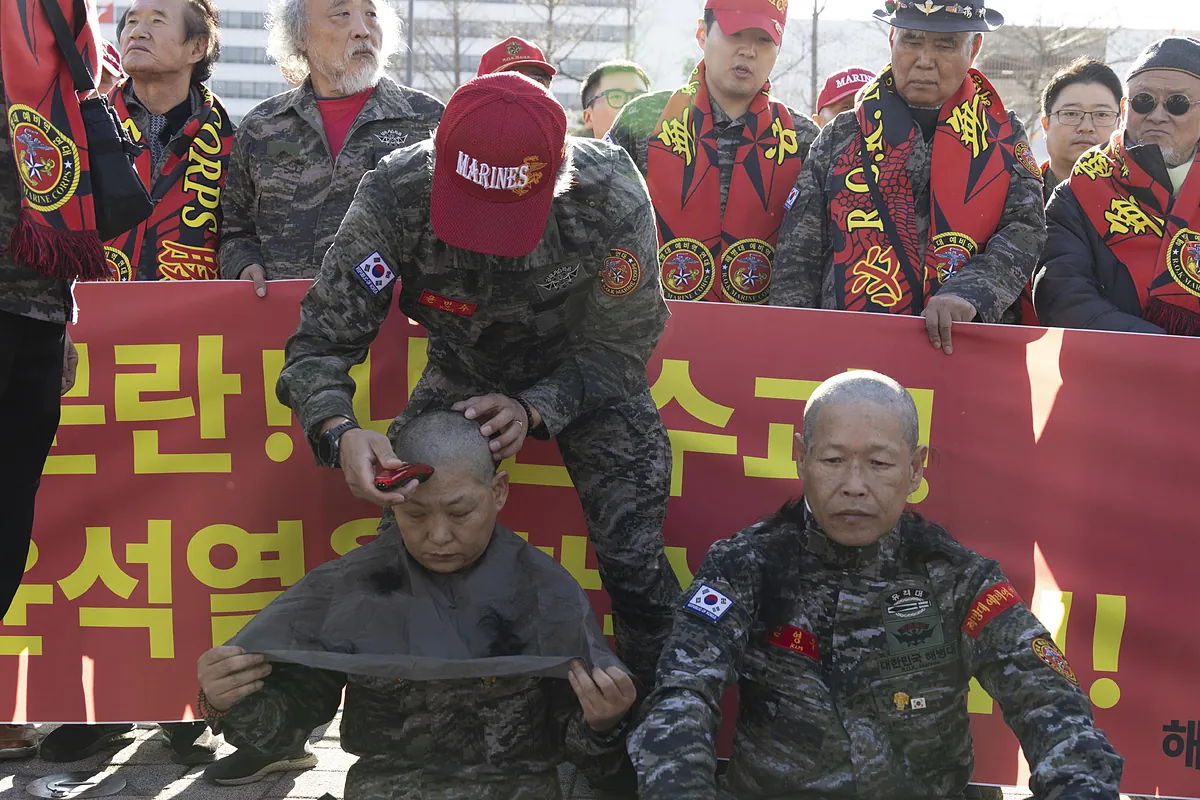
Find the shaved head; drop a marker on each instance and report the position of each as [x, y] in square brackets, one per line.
[442, 438]
[863, 386]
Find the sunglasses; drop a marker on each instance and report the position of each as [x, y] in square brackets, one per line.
[1176, 105]
[617, 98]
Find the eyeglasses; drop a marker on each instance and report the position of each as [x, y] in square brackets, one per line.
[617, 98]
[1176, 105]
[1073, 118]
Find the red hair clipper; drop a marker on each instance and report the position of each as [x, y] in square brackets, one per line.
[389, 479]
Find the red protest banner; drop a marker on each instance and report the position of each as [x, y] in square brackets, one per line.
[180, 497]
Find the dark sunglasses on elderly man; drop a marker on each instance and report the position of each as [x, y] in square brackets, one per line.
[616, 98]
[1176, 105]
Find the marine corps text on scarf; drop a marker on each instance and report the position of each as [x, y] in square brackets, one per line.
[682, 173]
[185, 224]
[877, 266]
[56, 232]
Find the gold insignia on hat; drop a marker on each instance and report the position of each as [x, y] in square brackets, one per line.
[513, 48]
[928, 8]
[535, 175]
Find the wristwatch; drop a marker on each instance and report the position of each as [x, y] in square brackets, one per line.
[327, 444]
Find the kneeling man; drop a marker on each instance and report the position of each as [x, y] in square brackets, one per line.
[852, 629]
[460, 648]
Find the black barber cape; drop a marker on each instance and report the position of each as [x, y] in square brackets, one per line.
[375, 611]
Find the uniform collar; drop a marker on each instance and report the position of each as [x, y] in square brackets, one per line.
[839, 556]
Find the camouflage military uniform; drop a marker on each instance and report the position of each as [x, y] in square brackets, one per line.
[991, 281]
[471, 739]
[852, 667]
[634, 128]
[285, 197]
[543, 326]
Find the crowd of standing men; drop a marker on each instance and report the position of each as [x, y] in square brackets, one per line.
[539, 264]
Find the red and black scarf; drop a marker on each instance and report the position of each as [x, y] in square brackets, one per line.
[56, 232]
[696, 240]
[185, 225]
[876, 260]
[1155, 237]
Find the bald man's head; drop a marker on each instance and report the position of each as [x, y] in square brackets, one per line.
[858, 455]
[861, 386]
[440, 438]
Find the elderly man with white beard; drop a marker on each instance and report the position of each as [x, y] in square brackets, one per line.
[298, 157]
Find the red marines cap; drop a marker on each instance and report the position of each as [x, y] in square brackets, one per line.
[841, 84]
[739, 15]
[500, 144]
[513, 52]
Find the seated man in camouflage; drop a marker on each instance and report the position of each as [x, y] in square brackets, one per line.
[452, 638]
[852, 629]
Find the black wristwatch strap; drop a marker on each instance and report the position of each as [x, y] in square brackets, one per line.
[333, 436]
[528, 411]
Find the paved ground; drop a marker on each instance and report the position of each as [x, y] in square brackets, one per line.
[143, 762]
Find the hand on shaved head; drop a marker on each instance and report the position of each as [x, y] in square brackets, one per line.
[447, 522]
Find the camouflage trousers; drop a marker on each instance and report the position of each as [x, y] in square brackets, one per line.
[619, 459]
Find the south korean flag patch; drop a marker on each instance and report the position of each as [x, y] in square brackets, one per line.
[709, 603]
[374, 273]
[791, 199]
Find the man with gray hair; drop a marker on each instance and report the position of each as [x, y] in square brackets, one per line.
[947, 221]
[852, 628]
[299, 156]
[1123, 252]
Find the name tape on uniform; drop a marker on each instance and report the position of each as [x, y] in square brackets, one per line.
[374, 273]
[709, 603]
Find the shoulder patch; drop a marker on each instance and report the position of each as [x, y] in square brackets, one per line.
[621, 273]
[374, 273]
[1049, 653]
[791, 199]
[708, 603]
[1024, 156]
[991, 603]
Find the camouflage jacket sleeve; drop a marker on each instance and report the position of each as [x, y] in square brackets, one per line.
[804, 247]
[618, 333]
[239, 240]
[634, 126]
[1017, 663]
[806, 131]
[673, 747]
[280, 716]
[340, 315]
[598, 756]
[992, 280]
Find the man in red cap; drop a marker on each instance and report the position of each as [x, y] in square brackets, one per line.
[838, 94]
[515, 54]
[720, 156]
[530, 260]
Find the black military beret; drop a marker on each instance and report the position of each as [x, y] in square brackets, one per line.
[1176, 53]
